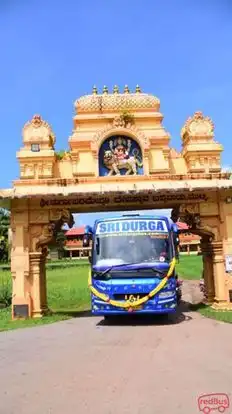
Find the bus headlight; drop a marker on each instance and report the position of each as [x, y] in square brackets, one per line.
[165, 295]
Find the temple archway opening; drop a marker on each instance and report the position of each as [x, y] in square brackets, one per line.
[71, 281]
[195, 250]
[76, 252]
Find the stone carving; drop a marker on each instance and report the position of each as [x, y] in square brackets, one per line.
[117, 124]
[45, 170]
[37, 130]
[190, 209]
[118, 157]
[27, 170]
[198, 125]
[191, 216]
[47, 233]
[175, 214]
[39, 216]
[116, 101]
[42, 237]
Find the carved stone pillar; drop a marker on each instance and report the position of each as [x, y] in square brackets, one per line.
[42, 231]
[21, 295]
[146, 161]
[208, 271]
[221, 300]
[38, 276]
[44, 302]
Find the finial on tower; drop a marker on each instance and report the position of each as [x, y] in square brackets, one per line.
[105, 89]
[126, 89]
[116, 89]
[138, 90]
[94, 91]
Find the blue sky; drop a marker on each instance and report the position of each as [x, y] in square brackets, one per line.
[52, 52]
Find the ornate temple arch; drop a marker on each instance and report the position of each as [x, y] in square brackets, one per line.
[51, 186]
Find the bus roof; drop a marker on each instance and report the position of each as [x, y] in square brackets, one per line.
[135, 216]
[131, 216]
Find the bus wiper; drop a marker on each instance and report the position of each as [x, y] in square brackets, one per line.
[128, 264]
[113, 267]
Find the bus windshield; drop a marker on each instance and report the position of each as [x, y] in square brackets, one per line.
[124, 248]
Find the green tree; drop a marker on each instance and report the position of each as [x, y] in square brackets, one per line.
[4, 232]
[60, 242]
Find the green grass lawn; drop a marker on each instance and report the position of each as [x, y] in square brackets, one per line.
[68, 294]
[190, 267]
[222, 316]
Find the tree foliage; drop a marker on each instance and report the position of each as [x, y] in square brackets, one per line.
[60, 242]
[4, 232]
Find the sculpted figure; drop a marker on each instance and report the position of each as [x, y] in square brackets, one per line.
[118, 157]
[47, 233]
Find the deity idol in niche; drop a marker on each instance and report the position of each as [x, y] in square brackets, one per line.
[119, 157]
[120, 152]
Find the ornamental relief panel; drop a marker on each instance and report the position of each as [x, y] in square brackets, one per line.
[39, 216]
[43, 234]
[203, 226]
[120, 126]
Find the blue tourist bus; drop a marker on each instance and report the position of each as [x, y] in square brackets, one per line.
[133, 265]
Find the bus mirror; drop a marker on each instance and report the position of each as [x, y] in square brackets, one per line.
[176, 245]
[86, 240]
[98, 246]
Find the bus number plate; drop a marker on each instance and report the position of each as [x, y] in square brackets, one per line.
[132, 298]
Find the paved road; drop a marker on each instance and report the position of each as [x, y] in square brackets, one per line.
[84, 366]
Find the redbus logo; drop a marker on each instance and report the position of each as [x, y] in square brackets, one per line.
[213, 402]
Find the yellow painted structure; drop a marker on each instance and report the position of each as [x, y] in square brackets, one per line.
[119, 158]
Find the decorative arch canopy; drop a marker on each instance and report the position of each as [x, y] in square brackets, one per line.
[120, 155]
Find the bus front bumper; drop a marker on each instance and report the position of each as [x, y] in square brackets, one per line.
[157, 305]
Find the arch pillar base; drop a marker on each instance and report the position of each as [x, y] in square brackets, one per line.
[208, 272]
[222, 306]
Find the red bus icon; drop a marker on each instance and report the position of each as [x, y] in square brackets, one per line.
[213, 402]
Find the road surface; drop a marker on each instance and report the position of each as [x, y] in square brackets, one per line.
[84, 366]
